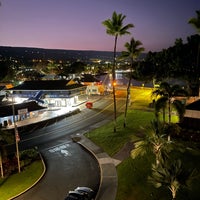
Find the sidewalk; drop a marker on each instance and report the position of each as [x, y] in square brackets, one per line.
[108, 183]
[45, 115]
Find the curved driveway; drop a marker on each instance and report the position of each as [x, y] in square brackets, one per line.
[68, 164]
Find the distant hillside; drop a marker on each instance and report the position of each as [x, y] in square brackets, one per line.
[53, 54]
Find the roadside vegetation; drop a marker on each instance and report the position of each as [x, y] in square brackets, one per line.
[138, 174]
[13, 183]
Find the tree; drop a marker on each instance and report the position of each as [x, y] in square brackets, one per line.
[115, 28]
[133, 51]
[76, 68]
[196, 23]
[167, 96]
[4, 66]
[172, 175]
[154, 141]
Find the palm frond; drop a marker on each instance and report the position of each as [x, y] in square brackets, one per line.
[195, 22]
[124, 30]
[114, 26]
[141, 148]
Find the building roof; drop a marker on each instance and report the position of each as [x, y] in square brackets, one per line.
[47, 85]
[7, 110]
[88, 78]
[194, 106]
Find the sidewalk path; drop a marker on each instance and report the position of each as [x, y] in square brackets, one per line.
[108, 182]
[45, 115]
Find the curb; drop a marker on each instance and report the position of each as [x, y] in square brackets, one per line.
[41, 176]
[108, 175]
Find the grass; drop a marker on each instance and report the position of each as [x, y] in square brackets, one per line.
[105, 136]
[17, 183]
[133, 173]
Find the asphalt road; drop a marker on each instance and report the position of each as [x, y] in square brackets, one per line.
[68, 164]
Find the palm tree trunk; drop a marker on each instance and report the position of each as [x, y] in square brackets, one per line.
[169, 117]
[198, 67]
[163, 114]
[1, 165]
[127, 102]
[127, 97]
[173, 194]
[169, 110]
[114, 81]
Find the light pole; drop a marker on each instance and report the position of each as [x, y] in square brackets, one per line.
[17, 139]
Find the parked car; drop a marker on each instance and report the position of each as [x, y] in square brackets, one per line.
[81, 193]
[75, 195]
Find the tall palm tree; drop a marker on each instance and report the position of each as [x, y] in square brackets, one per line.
[115, 28]
[166, 94]
[196, 23]
[133, 51]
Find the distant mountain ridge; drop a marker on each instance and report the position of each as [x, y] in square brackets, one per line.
[54, 54]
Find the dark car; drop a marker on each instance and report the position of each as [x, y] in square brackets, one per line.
[81, 193]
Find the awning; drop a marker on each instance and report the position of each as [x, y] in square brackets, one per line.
[7, 110]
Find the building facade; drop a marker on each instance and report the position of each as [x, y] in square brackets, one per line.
[30, 97]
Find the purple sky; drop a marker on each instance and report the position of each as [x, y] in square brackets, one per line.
[77, 24]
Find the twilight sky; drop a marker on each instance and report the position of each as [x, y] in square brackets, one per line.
[77, 24]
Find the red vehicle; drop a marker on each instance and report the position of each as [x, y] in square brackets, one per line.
[89, 105]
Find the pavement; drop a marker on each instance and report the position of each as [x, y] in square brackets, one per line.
[108, 182]
[108, 178]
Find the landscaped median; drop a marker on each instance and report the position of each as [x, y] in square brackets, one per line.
[18, 183]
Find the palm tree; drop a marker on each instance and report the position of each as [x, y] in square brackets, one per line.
[154, 141]
[166, 95]
[172, 175]
[133, 51]
[196, 23]
[115, 28]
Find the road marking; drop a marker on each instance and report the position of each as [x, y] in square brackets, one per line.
[62, 149]
[65, 152]
[58, 148]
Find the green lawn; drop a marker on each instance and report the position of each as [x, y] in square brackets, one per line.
[19, 182]
[111, 142]
[133, 173]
